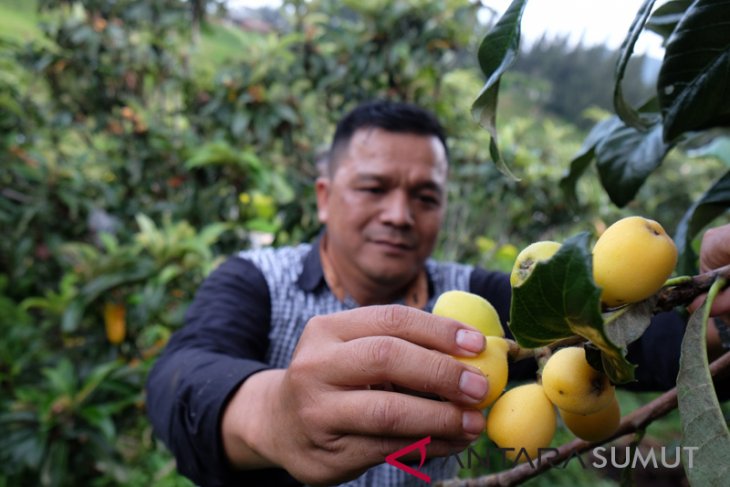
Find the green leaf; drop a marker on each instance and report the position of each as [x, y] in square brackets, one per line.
[559, 293]
[72, 316]
[627, 324]
[626, 157]
[61, 378]
[221, 153]
[146, 225]
[497, 52]
[585, 156]
[694, 80]
[56, 464]
[709, 206]
[666, 17]
[560, 300]
[630, 116]
[96, 377]
[718, 147]
[703, 425]
[99, 418]
[613, 358]
[106, 282]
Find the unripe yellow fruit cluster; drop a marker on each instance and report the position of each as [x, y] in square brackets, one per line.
[523, 420]
[631, 260]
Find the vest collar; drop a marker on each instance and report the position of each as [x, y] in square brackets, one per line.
[312, 275]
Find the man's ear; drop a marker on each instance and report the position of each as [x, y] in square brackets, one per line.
[322, 189]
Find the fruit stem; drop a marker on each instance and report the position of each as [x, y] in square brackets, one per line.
[675, 281]
[517, 353]
[542, 355]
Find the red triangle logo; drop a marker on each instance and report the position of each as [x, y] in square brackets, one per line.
[420, 445]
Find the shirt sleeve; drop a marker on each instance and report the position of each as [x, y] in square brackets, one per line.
[223, 342]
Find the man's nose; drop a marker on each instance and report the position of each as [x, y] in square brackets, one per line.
[397, 210]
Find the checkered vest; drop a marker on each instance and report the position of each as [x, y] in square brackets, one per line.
[292, 307]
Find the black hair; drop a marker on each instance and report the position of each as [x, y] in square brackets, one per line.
[387, 115]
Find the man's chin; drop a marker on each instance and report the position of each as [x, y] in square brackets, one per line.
[393, 276]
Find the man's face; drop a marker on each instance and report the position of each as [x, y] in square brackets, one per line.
[384, 205]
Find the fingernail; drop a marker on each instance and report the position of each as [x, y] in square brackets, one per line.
[473, 422]
[471, 341]
[473, 385]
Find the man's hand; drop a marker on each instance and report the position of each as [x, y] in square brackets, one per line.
[715, 253]
[322, 418]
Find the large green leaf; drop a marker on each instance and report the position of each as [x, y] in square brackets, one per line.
[497, 52]
[221, 153]
[709, 145]
[703, 425]
[560, 300]
[666, 17]
[712, 204]
[626, 157]
[694, 80]
[624, 110]
[104, 283]
[585, 156]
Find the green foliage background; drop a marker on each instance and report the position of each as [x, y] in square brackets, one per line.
[135, 154]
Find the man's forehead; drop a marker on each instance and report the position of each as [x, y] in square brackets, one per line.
[363, 142]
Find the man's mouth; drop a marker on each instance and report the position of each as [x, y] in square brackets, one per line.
[395, 244]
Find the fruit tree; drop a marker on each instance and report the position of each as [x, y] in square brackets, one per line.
[576, 307]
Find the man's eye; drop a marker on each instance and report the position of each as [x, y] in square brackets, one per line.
[372, 190]
[430, 200]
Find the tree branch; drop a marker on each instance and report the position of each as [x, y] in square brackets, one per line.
[685, 292]
[632, 422]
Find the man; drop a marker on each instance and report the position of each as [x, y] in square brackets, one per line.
[282, 374]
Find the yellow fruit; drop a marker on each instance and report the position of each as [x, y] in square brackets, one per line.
[631, 260]
[470, 309]
[594, 427]
[492, 362]
[115, 322]
[528, 257]
[573, 385]
[522, 418]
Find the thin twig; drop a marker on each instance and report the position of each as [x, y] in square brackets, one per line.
[632, 422]
[517, 353]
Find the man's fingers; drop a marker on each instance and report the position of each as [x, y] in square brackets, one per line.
[416, 326]
[392, 414]
[720, 306]
[384, 359]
